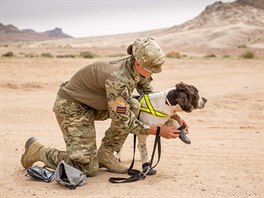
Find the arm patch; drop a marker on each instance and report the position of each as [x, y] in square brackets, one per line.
[119, 105]
[121, 110]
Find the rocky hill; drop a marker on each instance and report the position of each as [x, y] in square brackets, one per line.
[10, 33]
[223, 14]
[255, 3]
[220, 25]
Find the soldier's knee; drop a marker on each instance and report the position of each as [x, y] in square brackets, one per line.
[87, 163]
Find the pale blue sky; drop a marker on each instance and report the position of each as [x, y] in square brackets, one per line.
[82, 18]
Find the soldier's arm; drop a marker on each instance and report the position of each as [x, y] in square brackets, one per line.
[124, 119]
[118, 98]
[144, 86]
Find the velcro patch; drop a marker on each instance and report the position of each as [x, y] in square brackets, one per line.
[121, 110]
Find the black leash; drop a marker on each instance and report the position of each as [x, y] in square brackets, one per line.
[136, 174]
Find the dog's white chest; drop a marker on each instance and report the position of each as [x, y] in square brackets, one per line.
[157, 101]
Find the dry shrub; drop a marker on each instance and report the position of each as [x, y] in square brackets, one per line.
[226, 56]
[8, 54]
[242, 46]
[173, 54]
[248, 54]
[30, 55]
[87, 54]
[34, 85]
[30, 85]
[10, 85]
[66, 56]
[46, 55]
[210, 56]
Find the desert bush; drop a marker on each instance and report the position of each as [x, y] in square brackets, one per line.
[173, 54]
[248, 54]
[242, 46]
[66, 56]
[30, 55]
[46, 55]
[87, 54]
[8, 54]
[68, 46]
[210, 56]
[65, 46]
[226, 56]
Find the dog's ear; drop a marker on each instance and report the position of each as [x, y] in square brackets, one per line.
[184, 99]
[183, 87]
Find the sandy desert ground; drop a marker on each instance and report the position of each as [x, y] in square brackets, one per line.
[225, 158]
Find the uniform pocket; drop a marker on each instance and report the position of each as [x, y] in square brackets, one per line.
[65, 107]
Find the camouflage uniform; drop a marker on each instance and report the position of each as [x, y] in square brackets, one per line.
[77, 121]
[98, 92]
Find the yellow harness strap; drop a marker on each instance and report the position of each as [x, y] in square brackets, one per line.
[149, 108]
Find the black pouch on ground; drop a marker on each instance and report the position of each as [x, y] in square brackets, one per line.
[41, 173]
[69, 176]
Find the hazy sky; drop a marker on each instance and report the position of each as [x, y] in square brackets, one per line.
[81, 18]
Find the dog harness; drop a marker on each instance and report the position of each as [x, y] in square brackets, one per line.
[149, 107]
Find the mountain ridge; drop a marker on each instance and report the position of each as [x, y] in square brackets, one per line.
[219, 25]
[10, 33]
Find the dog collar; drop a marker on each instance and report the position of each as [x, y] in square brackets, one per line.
[176, 108]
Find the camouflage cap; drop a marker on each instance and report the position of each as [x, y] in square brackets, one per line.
[149, 54]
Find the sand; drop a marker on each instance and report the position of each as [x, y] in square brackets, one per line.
[225, 158]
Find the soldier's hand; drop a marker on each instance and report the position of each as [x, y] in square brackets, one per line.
[165, 132]
[169, 132]
[181, 122]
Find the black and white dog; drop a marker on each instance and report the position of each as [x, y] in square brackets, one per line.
[158, 109]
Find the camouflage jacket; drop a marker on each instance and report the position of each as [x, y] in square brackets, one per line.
[106, 86]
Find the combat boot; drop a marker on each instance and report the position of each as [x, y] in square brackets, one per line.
[109, 161]
[34, 151]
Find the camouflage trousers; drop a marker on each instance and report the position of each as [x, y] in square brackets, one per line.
[77, 125]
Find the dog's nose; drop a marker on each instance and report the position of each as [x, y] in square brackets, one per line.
[204, 100]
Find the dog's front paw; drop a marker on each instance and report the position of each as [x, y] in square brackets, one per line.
[146, 167]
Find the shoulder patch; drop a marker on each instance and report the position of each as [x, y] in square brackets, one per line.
[121, 110]
[119, 105]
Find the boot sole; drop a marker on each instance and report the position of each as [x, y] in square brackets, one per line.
[27, 145]
[112, 171]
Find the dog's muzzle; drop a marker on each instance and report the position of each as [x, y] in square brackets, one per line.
[202, 102]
